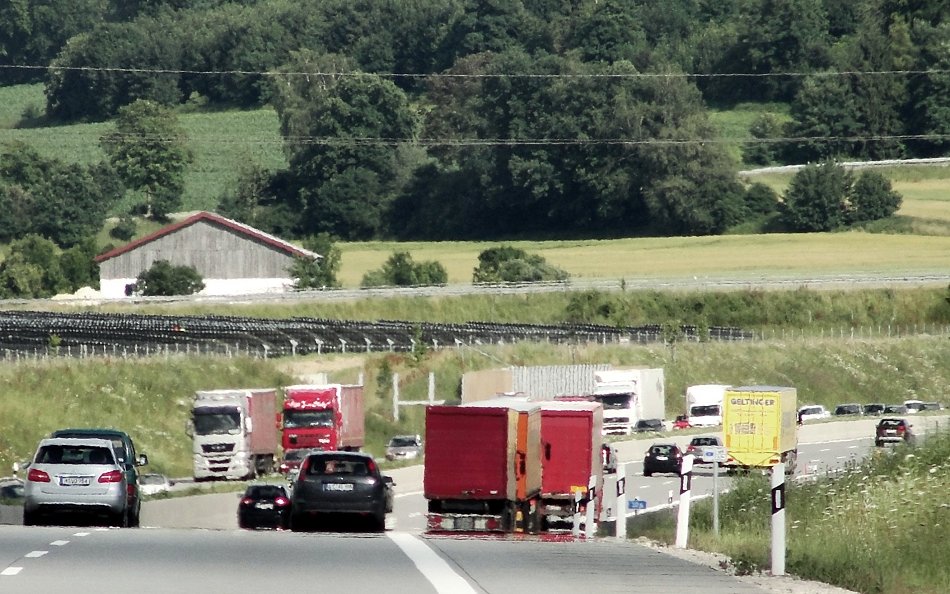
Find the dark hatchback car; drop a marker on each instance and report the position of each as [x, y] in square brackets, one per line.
[341, 484]
[648, 426]
[875, 408]
[847, 409]
[264, 506]
[662, 457]
[893, 431]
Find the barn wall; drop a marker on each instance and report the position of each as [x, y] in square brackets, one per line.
[115, 288]
[214, 251]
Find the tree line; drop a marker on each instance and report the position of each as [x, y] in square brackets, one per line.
[463, 119]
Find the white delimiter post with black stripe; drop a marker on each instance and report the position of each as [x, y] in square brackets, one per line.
[682, 520]
[778, 519]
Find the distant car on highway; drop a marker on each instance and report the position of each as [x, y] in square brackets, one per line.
[812, 412]
[929, 406]
[264, 506]
[154, 484]
[891, 430]
[847, 409]
[697, 444]
[341, 484]
[913, 406]
[662, 458]
[681, 422]
[291, 461]
[11, 491]
[76, 476]
[608, 458]
[874, 408]
[648, 426]
[404, 447]
[894, 409]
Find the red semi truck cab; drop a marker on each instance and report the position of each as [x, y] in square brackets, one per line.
[322, 417]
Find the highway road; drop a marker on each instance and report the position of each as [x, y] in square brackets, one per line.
[193, 544]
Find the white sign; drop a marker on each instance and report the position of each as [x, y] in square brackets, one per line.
[714, 454]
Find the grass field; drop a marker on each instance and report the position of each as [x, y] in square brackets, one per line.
[738, 256]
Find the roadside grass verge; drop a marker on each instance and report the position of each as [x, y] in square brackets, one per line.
[879, 527]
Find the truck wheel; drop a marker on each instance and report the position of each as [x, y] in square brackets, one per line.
[532, 519]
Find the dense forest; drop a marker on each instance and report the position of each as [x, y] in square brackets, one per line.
[474, 119]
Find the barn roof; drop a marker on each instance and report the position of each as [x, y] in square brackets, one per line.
[216, 219]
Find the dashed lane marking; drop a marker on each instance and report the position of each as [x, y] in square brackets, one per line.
[35, 554]
[433, 567]
[11, 571]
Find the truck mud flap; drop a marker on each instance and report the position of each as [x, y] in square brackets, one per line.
[436, 522]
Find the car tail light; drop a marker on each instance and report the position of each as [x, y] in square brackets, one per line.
[37, 476]
[281, 501]
[246, 501]
[901, 428]
[113, 476]
[371, 465]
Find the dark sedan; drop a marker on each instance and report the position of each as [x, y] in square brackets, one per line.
[342, 485]
[662, 457]
[264, 506]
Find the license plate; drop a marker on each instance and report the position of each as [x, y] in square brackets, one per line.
[338, 487]
[265, 506]
[891, 432]
[73, 481]
[662, 458]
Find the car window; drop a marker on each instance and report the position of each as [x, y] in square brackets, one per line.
[338, 466]
[265, 491]
[73, 454]
[403, 442]
[705, 441]
[661, 450]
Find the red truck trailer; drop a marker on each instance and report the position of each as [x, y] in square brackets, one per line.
[571, 454]
[483, 467]
[323, 417]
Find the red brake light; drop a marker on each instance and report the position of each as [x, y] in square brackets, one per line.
[281, 501]
[113, 476]
[371, 465]
[37, 476]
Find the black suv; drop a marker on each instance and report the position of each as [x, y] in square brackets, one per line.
[125, 455]
[340, 484]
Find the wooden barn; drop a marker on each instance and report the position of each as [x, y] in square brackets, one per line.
[231, 257]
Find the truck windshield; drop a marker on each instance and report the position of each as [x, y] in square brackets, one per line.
[308, 418]
[614, 401]
[710, 410]
[217, 421]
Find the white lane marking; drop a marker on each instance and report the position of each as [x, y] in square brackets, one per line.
[59, 543]
[415, 514]
[11, 571]
[81, 534]
[34, 554]
[852, 447]
[432, 567]
[398, 495]
[825, 450]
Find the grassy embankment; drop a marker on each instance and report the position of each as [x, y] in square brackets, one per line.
[878, 528]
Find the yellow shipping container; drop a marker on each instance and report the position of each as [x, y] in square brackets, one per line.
[760, 426]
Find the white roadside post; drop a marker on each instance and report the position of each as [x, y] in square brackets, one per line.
[576, 530]
[621, 506]
[682, 520]
[778, 519]
[590, 516]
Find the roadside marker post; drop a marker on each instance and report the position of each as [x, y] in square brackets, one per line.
[778, 519]
[682, 520]
[621, 505]
[590, 518]
[576, 530]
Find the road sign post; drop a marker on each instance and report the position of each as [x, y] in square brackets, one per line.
[715, 455]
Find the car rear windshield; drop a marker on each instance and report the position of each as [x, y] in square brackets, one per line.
[662, 450]
[705, 441]
[891, 423]
[321, 466]
[265, 491]
[403, 442]
[74, 454]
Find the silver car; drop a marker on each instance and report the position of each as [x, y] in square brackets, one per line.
[404, 447]
[75, 476]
